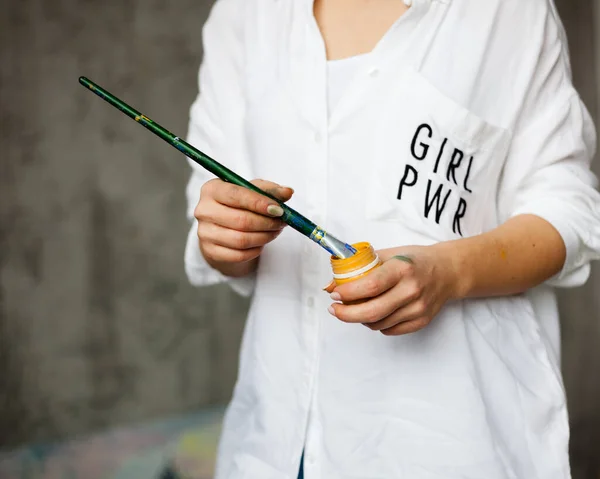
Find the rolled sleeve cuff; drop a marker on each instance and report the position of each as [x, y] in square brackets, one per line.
[200, 273]
[576, 270]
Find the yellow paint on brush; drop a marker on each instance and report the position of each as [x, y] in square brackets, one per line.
[318, 236]
[140, 117]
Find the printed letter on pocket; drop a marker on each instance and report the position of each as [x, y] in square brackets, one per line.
[408, 171]
[460, 212]
[439, 208]
[424, 146]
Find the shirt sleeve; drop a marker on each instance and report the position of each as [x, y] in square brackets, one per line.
[216, 127]
[547, 172]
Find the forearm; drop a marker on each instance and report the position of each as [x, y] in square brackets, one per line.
[518, 255]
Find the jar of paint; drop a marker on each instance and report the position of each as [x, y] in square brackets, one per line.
[357, 266]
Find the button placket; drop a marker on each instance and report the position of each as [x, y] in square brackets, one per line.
[315, 178]
[312, 446]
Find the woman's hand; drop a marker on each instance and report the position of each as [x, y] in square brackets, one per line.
[409, 289]
[234, 224]
[403, 295]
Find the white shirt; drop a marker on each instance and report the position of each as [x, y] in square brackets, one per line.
[463, 116]
[340, 74]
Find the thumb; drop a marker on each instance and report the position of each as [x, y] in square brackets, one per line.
[282, 193]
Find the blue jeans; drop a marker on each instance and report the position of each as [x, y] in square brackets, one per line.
[301, 472]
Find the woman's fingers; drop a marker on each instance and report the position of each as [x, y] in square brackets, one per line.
[223, 254]
[413, 310]
[234, 239]
[407, 327]
[242, 198]
[379, 307]
[234, 223]
[377, 282]
[374, 284]
[235, 219]
[282, 193]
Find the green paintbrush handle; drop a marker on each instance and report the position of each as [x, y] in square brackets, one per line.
[290, 216]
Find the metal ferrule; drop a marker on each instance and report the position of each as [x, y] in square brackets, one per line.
[332, 244]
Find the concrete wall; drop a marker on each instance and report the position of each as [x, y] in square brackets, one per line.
[97, 323]
[581, 308]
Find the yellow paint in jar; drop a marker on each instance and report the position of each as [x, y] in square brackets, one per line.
[357, 266]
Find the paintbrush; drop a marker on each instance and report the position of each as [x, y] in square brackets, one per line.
[291, 217]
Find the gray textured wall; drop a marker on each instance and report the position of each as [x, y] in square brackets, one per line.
[97, 323]
[580, 308]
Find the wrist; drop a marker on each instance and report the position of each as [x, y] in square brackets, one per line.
[453, 261]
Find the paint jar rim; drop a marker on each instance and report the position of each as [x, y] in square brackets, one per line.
[360, 263]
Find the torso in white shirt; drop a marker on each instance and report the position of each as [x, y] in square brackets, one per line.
[460, 118]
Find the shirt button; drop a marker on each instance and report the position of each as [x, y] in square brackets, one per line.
[310, 459]
[310, 302]
[373, 72]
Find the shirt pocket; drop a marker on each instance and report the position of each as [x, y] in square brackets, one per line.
[435, 164]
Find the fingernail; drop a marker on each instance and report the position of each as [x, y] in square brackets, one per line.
[328, 285]
[289, 188]
[331, 310]
[335, 296]
[275, 210]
